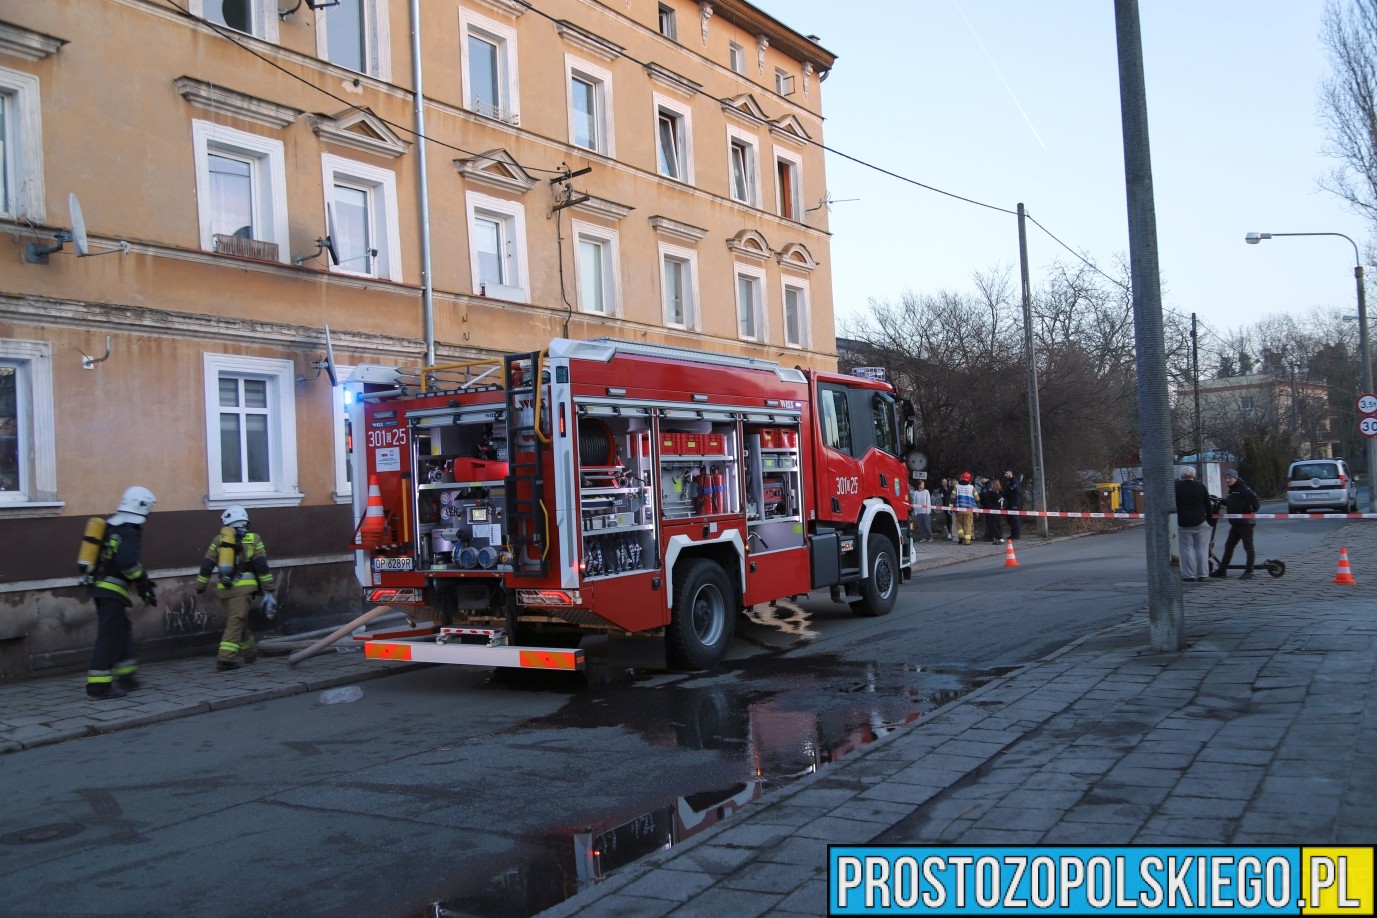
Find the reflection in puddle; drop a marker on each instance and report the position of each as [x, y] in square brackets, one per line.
[785, 617]
[774, 723]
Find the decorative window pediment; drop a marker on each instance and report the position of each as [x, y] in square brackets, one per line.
[496, 168]
[667, 77]
[601, 207]
[796, 257]
[26, 43]
[745, 108]
[790, 128]
[585, 41]
[507, 7]
[229, 102]
[677, 230]
[360, 129]
[750, 243]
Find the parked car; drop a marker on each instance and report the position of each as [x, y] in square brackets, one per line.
[1320, 484]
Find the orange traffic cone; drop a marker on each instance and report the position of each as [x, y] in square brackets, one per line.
[1345, 574]
[1009, 559]
[374, 519]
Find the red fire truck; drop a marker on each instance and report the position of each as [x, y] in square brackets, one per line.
[635, 492]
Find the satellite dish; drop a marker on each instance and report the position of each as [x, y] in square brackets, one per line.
[330, 359]
[79, 240]
[329, 239]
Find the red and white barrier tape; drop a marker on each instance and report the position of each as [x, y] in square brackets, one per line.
[1068, 514]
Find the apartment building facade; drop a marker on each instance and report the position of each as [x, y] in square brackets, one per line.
[640, 169]
[1234, 406]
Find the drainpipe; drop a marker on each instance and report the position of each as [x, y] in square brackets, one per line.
[427, 285]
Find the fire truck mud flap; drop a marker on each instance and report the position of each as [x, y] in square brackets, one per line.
[506, 656]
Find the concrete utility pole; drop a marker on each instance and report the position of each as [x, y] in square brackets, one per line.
[1034, 410]
[1166, 614]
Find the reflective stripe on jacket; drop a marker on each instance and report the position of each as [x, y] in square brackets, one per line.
[251, 571]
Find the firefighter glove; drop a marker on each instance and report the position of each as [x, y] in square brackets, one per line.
[269, 606]
[147, 593]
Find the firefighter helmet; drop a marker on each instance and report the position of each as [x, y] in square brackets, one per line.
[235, 516]
[137, 501]
[965, 477]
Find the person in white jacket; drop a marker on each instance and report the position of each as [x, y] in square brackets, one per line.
[920, 511]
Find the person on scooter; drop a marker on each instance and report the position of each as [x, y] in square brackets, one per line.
[1240, 499]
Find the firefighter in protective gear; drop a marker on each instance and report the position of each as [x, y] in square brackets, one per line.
[239, 561]
[119, 570]
[965, 507]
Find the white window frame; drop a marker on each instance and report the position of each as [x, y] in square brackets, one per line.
[610, 240]
[805, 304]
[600, 78]
[796, 161]
[269, 180]
[667, 21]
[684, 117]
[344, 488]
[784, 82]
[736, 58]
[283, 490]
[381, 185]
[513, 215]
[37, 484]
[504, 37]
[757, 306]
[377, 39]
[738, 137]
[692, 314]
[263, 14]
[19, 94]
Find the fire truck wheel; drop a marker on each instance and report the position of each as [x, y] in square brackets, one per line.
[700, 629]
[881, 587]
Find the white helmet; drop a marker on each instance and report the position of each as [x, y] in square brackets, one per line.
[235, 516]
[137, 501]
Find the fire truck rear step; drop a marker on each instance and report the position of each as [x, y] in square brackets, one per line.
[500, 656]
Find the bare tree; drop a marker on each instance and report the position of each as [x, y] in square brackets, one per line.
[1348, 103]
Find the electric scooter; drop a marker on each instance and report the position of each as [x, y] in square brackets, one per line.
[1272, 566]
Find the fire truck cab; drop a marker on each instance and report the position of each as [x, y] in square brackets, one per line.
[634, 491]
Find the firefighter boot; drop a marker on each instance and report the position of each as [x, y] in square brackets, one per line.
[225, 666]
[104, 690]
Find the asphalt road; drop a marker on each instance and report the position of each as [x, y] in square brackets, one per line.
[452, 791]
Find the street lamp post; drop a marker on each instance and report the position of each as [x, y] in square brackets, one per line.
[1365, 351]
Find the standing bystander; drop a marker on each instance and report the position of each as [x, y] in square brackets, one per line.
[1013, 500]
[920, 510]
[1240, 499]
[1194, 520]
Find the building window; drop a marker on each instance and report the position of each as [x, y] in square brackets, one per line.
[28, 452]
[673, 140]
[596, 268]
[679, 284]
[668, 27]
[21, 147]
[366, 230]
[354, 35]
[343, 437]
[750, 297]
[736, 57]
[252, 17]
[488, 54]
[789, 185]
[590, 106]
[1246, 402]
[795, 314]
[251, 431]
[784, 83]
[497, 247]
[744, 170]
[241, 192]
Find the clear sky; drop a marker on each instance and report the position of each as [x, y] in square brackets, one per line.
[1008, 101]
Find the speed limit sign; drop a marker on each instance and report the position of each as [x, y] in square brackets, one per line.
[1368, 426]
[1367, 404]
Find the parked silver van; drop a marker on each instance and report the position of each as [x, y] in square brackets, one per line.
[1321, 484]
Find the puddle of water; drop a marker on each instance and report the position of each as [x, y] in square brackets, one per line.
[776, 722]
